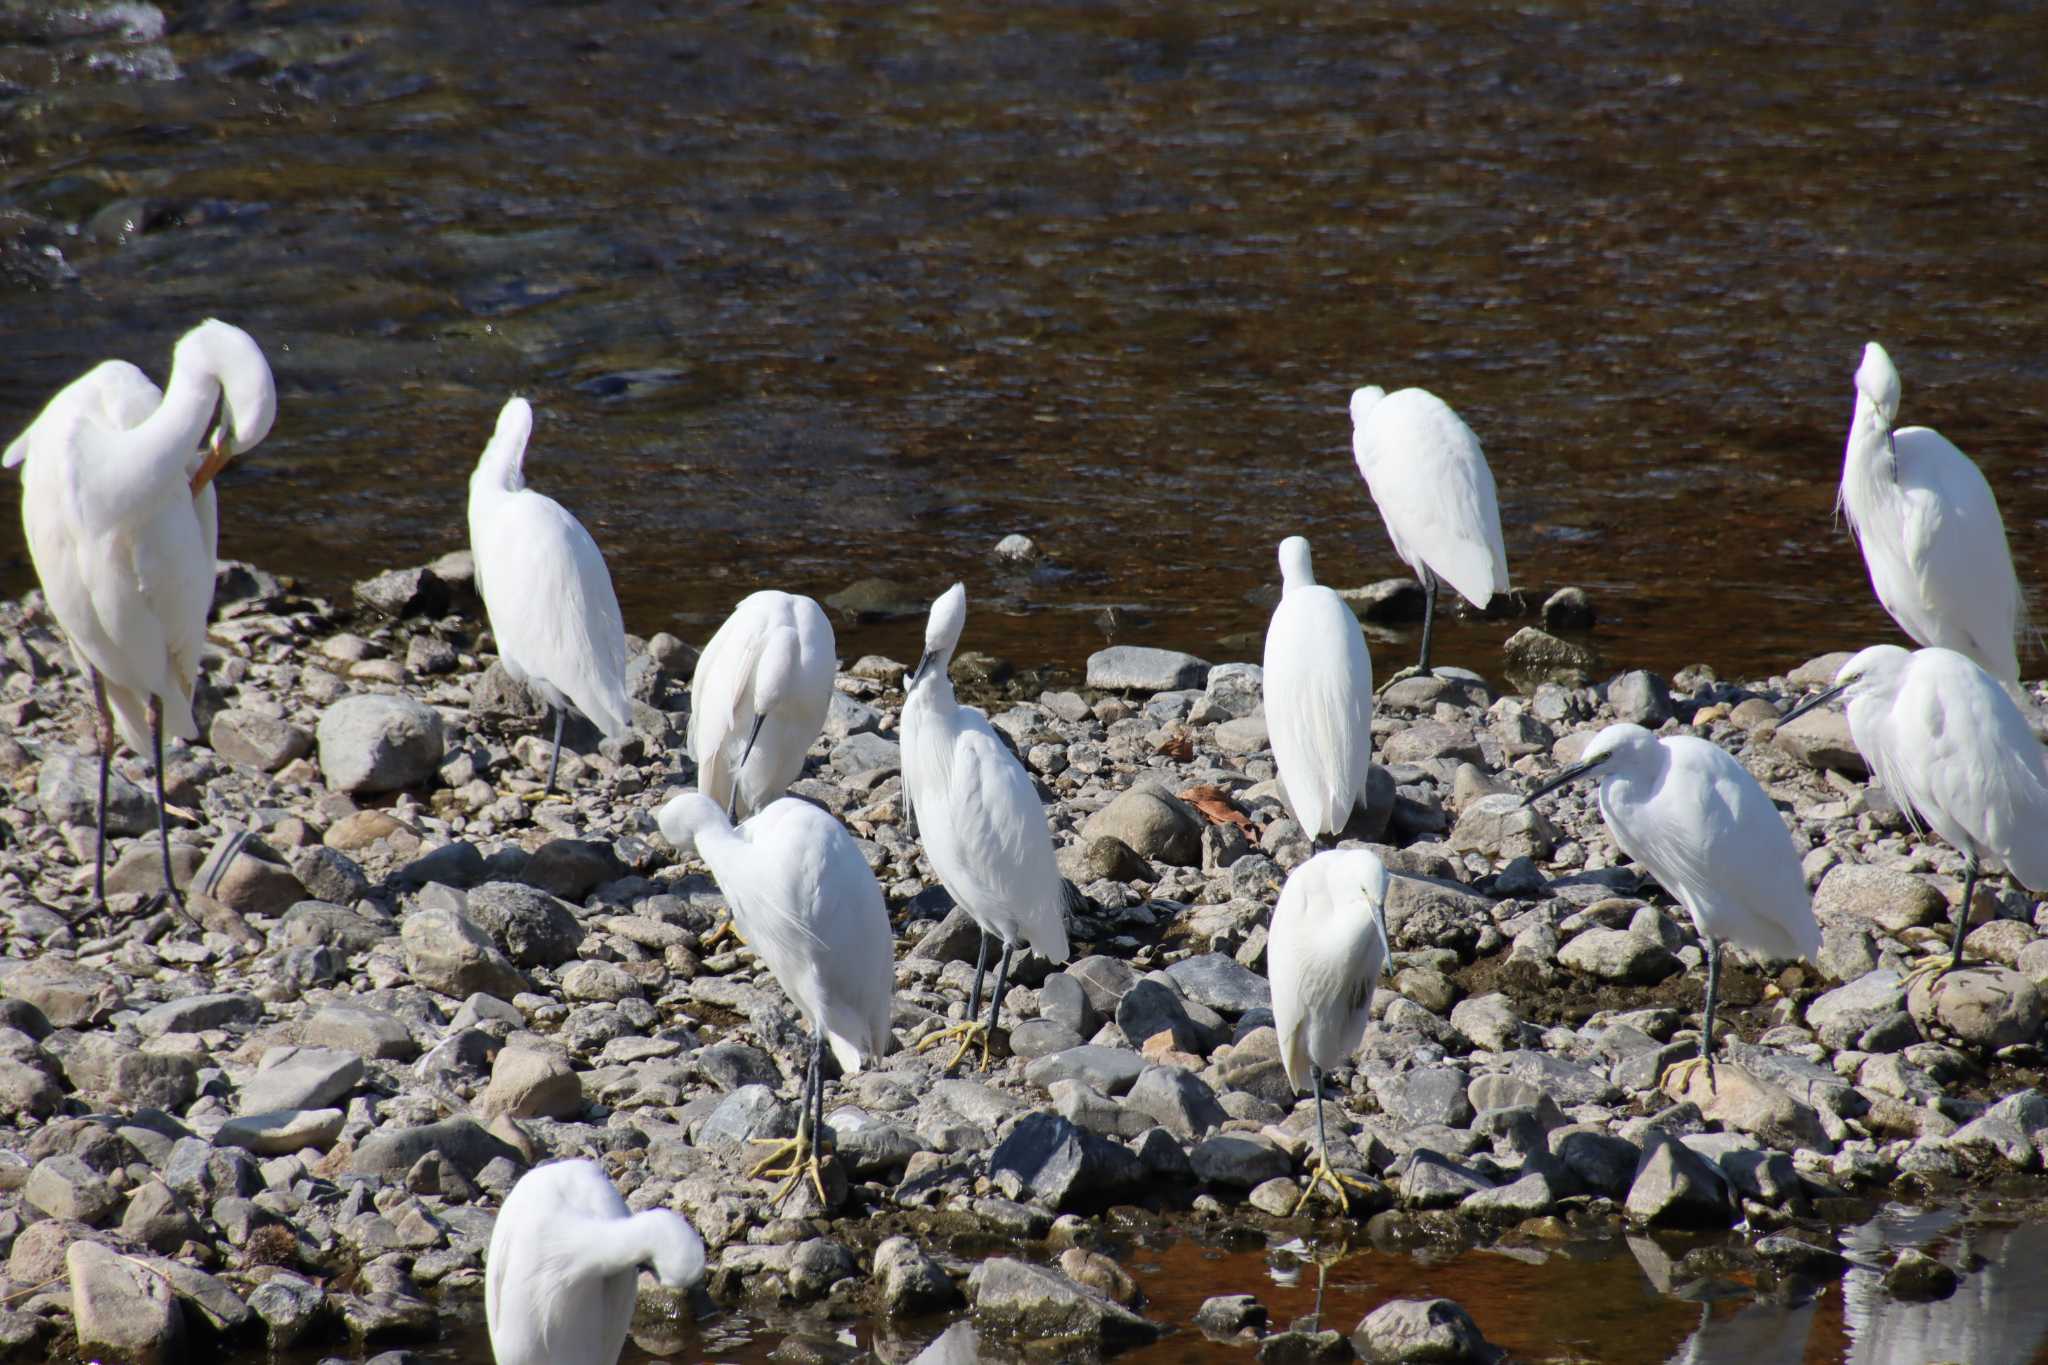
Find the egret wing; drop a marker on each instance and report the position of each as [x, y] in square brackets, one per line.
[1971, 762]
[1003, 868]
[718, 691]
[552, 606]
[1436, 493]
[1955, 546]
[1318, 693]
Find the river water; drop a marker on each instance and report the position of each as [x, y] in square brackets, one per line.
[806, 293]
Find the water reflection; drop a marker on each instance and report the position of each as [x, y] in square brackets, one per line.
[1997, 1312]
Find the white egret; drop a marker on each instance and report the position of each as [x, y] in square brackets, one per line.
[122, 522]
[805, 900]
[1953, 749]
[565, 1265]
[1318, 692]
[1693, 816]
[758, 700]
[1327, 947]
[1930, 530]
[1430, 480]
[980, 820]
[545, 589]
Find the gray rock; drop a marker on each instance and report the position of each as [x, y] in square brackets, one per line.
[744, 1115]
[1529, 1196]
[1532, 657]
[1844, 1014]
[63, 1186]
[1134, 668]
[1602, 1162]
[1227, 1315]
[1062, 1166]
[68, 792]
[532, 1082]
[909, 1281]
[1105, 979]
[1041, 1038]
[1434, 1094]
[157, 1218]
[1676, 1186]
[392, 1152]
[1021, 1302]
[1239, 1160]
[366, 1032]
[866, 751]
[301, 1078]
[1490, 1021]
[196, 1013]
[1063, 1001]
[249, 877]
[1434, 1181]
[1222, 983]
[289, 1307]
[446, 952]
[404, 592]
[1979, 1006]
[498, 702]
[1640, 697]
[120, 1309]
[1619, 955]
[372, 742]
[27, 1092]
[68, 995]
[730, 1065]
[1112, 1070]
[1894, 901]
[571, 868]
[536, 929]
[1418, 1330]
[1821, 739]
[281, 1131]
[265, 743]
[126, 1077]
[458, 863]
[1568, 609]
[1178, 1101]
[1155, 823]
[1148, 1008]
[1502, 827]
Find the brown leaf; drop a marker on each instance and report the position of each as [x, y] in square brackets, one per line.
[1215, 803]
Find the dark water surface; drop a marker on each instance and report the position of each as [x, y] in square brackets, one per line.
[809, 292]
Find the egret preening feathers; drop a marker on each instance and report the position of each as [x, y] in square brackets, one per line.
[1953, 750]
[565, 1264]
[1327, 946]
[1430, 480]
[122, 522]
[806, 902]
[979, 818]
[1930, 530]
[1318, 692]
[1696, 819]
[546, 589]
[758, 699]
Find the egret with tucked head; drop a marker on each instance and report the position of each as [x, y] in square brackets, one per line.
[758, 700]
[1318, 694]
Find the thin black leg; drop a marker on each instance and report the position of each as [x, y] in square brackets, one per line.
[995, 1006]
[1707, 1014]
[1955, 952]
[1428, 619]
[105, 725]
[818, 1070]
[980, 966]
[555, 759]
[163, 820]
[1315, 1074]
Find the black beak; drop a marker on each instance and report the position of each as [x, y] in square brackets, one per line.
[752, 736]
[923, 663]
[1818, 699]
[1571, 774]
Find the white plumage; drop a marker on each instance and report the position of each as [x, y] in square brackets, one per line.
[1930, 530]
[545, 588]
[564, 1266]
[1318, 691]
[1430, 480]
[979, 817]
[759, 697]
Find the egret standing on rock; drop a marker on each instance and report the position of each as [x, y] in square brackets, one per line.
[758, 700]
[1931, 534]
[545, 589]
[1327, 946]
[1952, 748]
[564, 1268]
[1430, 480]
[805, 900]
[1318, 690]
[122, 521]
[980, 820]
[1692, 815]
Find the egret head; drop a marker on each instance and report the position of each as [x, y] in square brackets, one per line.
[1877, 380]
[686, 815]
[775, 679]
[248, 393]
[1868, 670]
[505, 453]
[1296, 568]
[1617, 745]
[941, 632]
[1364, 400]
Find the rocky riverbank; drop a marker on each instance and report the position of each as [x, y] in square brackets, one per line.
[289, 1117]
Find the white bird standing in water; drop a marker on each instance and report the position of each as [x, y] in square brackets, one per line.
[1318, 692]
[1953, 750]
[1430, 480]
[545, 589]
[1327, 947]
[758, 700]
[1930, 530]
[1693, 816]
[980, 820]
[564, 1267]
[122, 521]
[806, 902]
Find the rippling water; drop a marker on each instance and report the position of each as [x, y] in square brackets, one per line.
[809, 292]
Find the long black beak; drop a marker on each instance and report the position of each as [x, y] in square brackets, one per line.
[753, 735]
[1818, 699]
[1571, 774]
[923, 663]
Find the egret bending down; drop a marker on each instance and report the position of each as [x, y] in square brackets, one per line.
[565, 1266]
[545, 589]
[1930, 530]
[122, 520]
[1693, 816]
[758, 700]
[980, 821]
[1318, 693]
[1328, 944]
[807, 903]
[1953, 750]
[1430, 480]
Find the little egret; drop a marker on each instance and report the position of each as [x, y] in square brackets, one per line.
[565, 1264]
[1430, 480]
[980, 821]
[1693, 816]
[1931, 534]
[122, 522]
[805, 900]
[1318, 692]
[545, 589]
[1953, 749]
[759, 698]
[1328, 944]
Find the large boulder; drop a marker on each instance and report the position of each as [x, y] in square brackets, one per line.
[373, 742]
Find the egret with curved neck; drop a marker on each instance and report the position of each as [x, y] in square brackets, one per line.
[758, 699]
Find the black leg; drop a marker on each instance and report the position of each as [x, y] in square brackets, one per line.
[995, 1006]
[1707, 1014]
[1955, 952]
[555, 759]
[1428, 619]
[106, 738]
[818, 1070]
[980, 966]
[1315, 1077]
[163, 820]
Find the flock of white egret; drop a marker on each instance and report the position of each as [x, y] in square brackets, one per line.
[122, 523]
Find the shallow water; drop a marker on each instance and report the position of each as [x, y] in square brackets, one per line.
[809, 292]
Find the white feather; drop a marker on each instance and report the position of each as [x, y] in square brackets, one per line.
[1318, 693]
[1324, 954]
[732, 688]
[1430, 480]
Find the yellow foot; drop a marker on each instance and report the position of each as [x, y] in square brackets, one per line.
[1938, 965]
[534, 798]
[725, 929]
[788, 1150]
[1326, 1174]
[966, 1032]
[1677, 1078]
[1400, 677]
